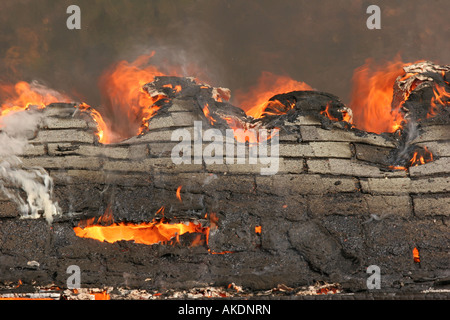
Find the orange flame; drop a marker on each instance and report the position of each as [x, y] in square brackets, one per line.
[255, 101]
[176, 89]
[347, 117]
[416, 255]
[103, 131]
[127, 104]
[327, 114]
[161, 211]
[327, 290]
[221, 252]
[372, 97]
[101, 295]
[207, 114]
[439, 95]
[244, 135]
[20, 96]
[275, 107]
[398, 168]
[149, 233]
[179, 193]
[146, 233]
[421, 157]
[258, 229]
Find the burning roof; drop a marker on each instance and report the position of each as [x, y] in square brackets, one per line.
[335, 174]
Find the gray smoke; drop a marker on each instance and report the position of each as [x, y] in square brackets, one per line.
[30, 188]
[410, 132]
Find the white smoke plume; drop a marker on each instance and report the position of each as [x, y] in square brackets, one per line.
[15, 130]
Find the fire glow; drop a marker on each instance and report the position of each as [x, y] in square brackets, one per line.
[255, 101]
[441, 97]
[327, 114]
[146, 233]
[126, 104]
[149, 233]
[372, 96]
[421, 157]
[22, 95]
[416, 255]
[128, 107]
[179, 193]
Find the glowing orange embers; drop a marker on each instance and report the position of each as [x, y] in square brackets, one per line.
[421, 157]
[157, 231]
[179, 193]
[207, 114]
[101, 295]
[327, 114]
[176, 89]
[327, 290]
[416, 256]
[149, 233]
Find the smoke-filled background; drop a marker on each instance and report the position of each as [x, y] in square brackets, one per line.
[232, 41]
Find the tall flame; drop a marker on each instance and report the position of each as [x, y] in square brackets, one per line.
[127, 107]
[372, 96]
[126, 104]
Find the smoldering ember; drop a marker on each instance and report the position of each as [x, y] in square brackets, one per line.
[79, 190]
